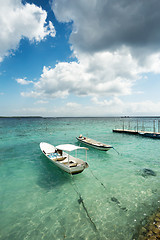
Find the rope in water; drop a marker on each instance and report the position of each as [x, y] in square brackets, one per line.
[113, 199]
[115, 150]
[80, 200]
[97, 179]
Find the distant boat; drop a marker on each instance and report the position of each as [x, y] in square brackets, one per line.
[59, 156]
[149, 134]
[93, 143]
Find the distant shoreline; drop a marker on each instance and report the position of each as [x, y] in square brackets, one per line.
[124, 117]
[21, 117]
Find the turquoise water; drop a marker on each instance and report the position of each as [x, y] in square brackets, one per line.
[39, 201]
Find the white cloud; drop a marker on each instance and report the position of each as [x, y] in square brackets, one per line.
[41, 102]
[73, 105]
[18, 21]
[152, 63]
[101, 74]
[107, 103]
[112, 107]
[145, 107]
[23, 81]
[116, 106]
[30, 111]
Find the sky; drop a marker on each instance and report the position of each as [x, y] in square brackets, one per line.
[78, 58]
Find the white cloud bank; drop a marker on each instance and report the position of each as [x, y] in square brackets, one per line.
[114, 107]
[102, 74]
[99, 74]
[18, 21]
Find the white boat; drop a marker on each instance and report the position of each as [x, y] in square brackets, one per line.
[93, 143]
[60, 156]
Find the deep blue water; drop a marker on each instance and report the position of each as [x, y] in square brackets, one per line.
[109, 200]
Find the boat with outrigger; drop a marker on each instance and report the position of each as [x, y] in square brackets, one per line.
[60, 157]
[93, 143]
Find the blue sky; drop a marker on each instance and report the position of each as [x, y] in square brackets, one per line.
[79, 58]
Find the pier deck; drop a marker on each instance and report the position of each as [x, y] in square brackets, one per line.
[125, 131]
[141, 133]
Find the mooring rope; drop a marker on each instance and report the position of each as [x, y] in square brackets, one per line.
[80, 200]
[115, 150]
[97, 179]
[113, 199]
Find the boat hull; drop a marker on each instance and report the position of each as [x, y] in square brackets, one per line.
[102, 148]
[74, 170]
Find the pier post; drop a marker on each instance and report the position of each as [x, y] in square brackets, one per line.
[128, 125]
[123, 125]
[154, 127]
[137, 125]
[158, 125]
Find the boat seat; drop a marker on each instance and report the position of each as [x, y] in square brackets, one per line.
[60, 158]
[73, 164]
[56, 156]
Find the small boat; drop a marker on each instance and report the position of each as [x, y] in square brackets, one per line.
[94, 143]
[59, 155]
[149, 134]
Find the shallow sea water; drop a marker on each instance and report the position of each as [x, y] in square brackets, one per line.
[39, 201]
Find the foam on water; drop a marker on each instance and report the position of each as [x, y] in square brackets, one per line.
[39, 201]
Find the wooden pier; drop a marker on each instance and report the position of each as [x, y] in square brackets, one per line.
[139, 129]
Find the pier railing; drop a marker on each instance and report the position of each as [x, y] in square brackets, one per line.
[136, 126]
